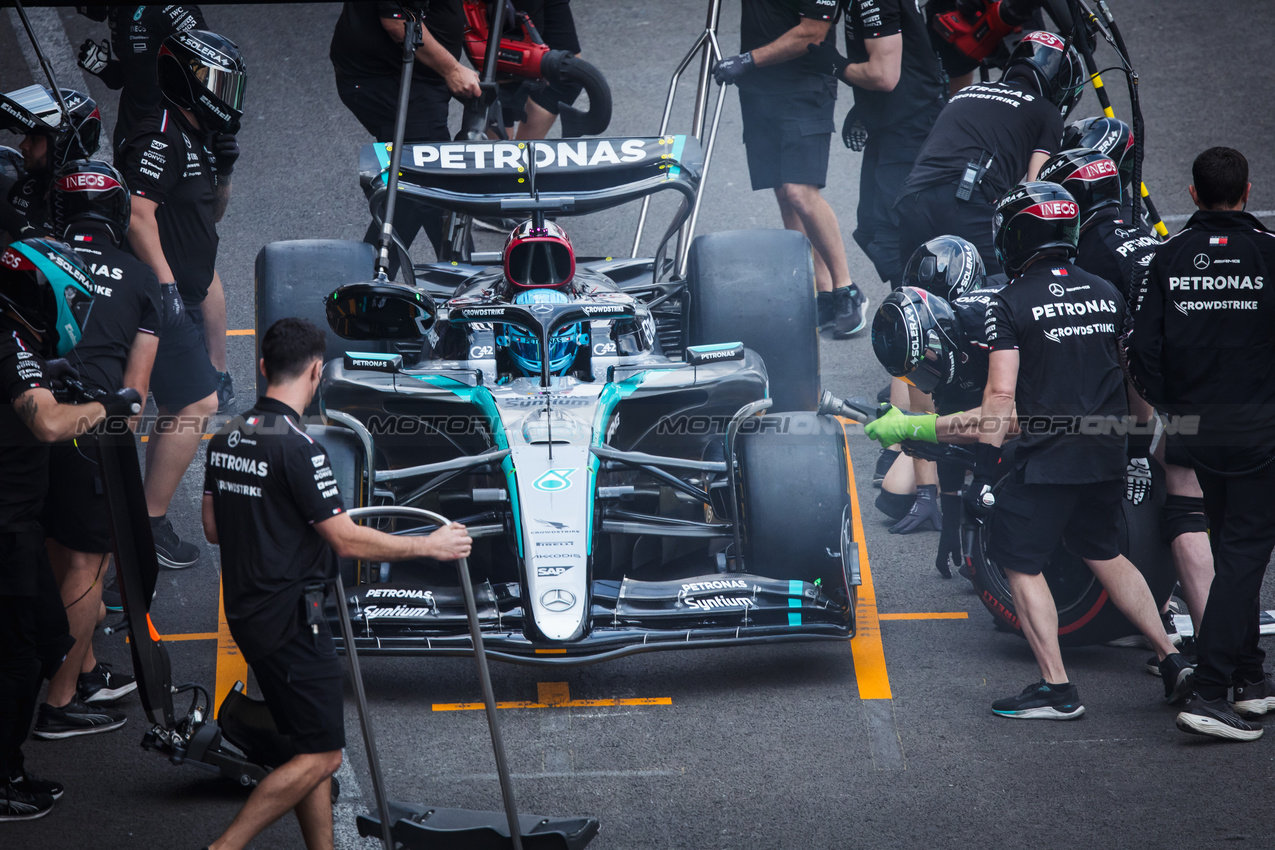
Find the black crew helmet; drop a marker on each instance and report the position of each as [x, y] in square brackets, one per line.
[89, 191]
[204, 72]
[45, 285]
[1105, 135]
[1057, 67]
[1090, 177]
[34, 110]
[948, 266]
[914, 336]
[1034, 220]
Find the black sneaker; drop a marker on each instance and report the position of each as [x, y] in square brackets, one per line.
[851, 307]
[172, 551]
[1176, 673]
[825, 310]
[885, 460]
[35, 785]
[225, 392]
[111, 595]
[75, 718]
[102, 684]
[1254, 700]
[1216, 719]
[17, 804]
[1042, 701]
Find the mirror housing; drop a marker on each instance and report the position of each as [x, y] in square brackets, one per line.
[379, 310]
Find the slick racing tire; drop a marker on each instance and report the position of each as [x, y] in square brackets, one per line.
[795, 505]
[346, 457]
[1086, 615]
[293, 278]
[758, 287]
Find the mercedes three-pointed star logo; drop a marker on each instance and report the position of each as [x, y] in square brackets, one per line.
[558, 600]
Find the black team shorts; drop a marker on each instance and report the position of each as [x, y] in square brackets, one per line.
[75, 510]
[183, 373]
[301, 683]
[787, 135]
[1032, 520]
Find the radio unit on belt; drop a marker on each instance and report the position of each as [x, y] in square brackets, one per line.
[974, 173]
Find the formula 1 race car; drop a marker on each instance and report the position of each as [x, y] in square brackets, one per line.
[601, 425]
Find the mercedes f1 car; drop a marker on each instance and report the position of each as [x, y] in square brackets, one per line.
[604, 427]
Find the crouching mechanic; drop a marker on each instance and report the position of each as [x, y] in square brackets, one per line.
[1052, 335]
[271, 503]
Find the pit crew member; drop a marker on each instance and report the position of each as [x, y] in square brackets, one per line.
[272, 504]
[1201, 345]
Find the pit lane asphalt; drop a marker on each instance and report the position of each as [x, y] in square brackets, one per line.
[765, 747]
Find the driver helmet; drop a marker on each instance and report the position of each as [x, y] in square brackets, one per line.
[89, 191]
[524, 348]
[948, 266]
[914, 336]
[1091, 177]
[1057, 68]
[45, 285]
[1033, 220]
[1105, 135]
[539, 256]
[34, 110]
[204, 72]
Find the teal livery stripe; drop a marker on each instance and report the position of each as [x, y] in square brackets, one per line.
[679, 142]
[611, 395]
[795, 588]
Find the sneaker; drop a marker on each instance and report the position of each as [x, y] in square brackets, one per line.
[851, 312]
[17, 804]
[885, 460]
[1217, 719]
[1176, 673]
[1140, 641]
[102, 684]
[225, 392]
[35, 785]
[75, 718]
[172, 551]
[825, 310]
[1042, 701]
[1254, 700]
[111, 595]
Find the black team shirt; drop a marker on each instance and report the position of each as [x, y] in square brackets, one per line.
[24, 461]
[361, 48]
[911, 107]
[966, 390]
[763, 21]
[270, 483]
[1117, 251]
[1064, 323]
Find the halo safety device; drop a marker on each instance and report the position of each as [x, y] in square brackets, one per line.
[948, 266]
[914, 337]
[1056, 66]
[204, 72]
[89, 190]
[1090, 177]
[539, 256]
[34, 110]
[524, 348]
[1033, 220]
[45, 285]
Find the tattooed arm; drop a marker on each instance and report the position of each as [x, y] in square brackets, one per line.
[51, 422]
[222, 194]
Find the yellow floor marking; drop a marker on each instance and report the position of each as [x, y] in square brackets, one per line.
[935, 615]
[191, 636]
[554, 695]
[231, 666]
[866, 647]
[242, 332]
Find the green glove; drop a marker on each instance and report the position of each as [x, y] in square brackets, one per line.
[895, 425]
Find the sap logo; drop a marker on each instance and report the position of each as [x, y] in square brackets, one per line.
[157, 145]
[551, 572]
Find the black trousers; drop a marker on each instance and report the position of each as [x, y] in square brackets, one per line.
[887, 161]
[1242, 534]
[935, 211]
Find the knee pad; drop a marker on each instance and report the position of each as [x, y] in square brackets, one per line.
[895, 505]
[1182, 515]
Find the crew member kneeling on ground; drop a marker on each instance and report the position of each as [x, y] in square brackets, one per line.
[271, 503]
[1201, 345]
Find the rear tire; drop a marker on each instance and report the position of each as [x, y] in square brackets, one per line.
[293, 278]
[758, 287]
[795, 506]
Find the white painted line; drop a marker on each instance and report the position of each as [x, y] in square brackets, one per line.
[56, 46]
[350, 805]
[572, 774]
[1185, 216]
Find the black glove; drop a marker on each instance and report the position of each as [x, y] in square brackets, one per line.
[171, 307]
[60, 371]
[225, 150]
[95, 56]
[950, 537]
[978, 498]
[925, 510]
[1137, 474]
[730, 69]
[853, 133]
[123, 402]
[829, 60]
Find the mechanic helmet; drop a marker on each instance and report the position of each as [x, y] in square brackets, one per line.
[539, 256]
[1105, 135]
[203, 72]
[1089, 176]
[45, 285]
[914, 336]
[35, 111]
[1059, 74]
[89, 190]
[524, 348]
[1033, 220]
[948, 266]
